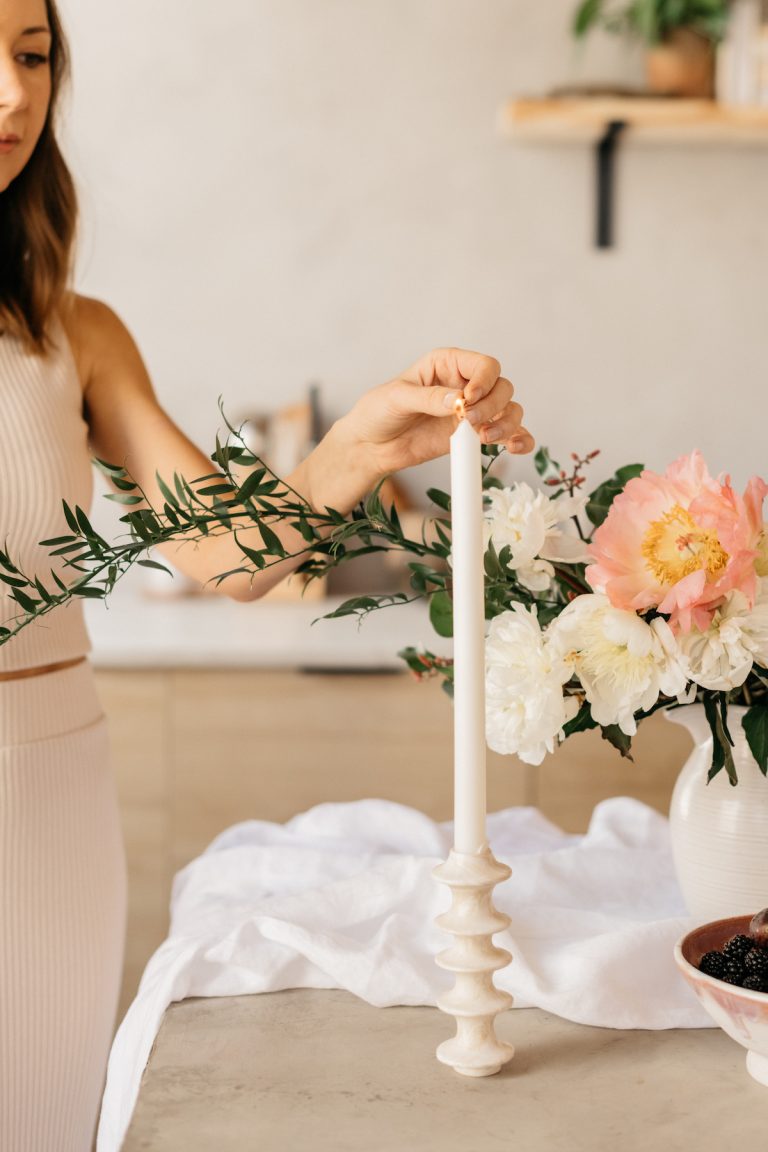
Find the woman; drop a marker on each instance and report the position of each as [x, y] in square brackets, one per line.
[72, 383]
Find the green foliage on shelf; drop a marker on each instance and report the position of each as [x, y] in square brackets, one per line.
[652, 20]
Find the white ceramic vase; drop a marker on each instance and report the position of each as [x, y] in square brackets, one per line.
[719, 832]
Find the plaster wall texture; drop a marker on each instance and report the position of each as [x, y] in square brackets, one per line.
[283, 191]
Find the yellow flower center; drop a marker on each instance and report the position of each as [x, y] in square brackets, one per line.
[761, 563]
[675, 546]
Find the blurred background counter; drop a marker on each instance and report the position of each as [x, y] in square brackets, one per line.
[137, 630]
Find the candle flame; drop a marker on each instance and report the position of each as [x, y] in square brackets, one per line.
[460, 408]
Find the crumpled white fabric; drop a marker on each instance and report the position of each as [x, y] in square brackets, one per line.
[342, 896]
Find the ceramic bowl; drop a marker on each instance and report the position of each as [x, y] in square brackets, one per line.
[740, 1012]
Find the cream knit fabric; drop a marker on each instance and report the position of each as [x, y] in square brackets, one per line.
[62, 869]
[43, 459]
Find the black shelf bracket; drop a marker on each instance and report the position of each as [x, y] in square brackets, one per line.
[606, 181]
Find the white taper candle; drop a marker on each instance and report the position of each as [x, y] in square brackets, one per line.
[468, 640]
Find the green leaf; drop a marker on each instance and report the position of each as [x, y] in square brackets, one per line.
[581, 722]
[415, 659]
[70, 517]
[182, 490]
[222, 576]
[600, 501]
[255, 557]
[755, 725]
[216, 490]
[544, 463]
[628, 472]
[6, 562]
[250, 485]
[124, 485]
[306, 529]
[165, 491]
[76, 546]
[84, 523]
[714, 705]
[353, 607]
[586, 17]
[614, 735]
[123, 498]
[111, 470]
[156, 565]
[441, 613]
[43, 592]
[26, 602]
[89, 592]
[59, 581]
[170, 514]
[56, 540]
[272, 542]
[442, 499]
[14, 581]
[492, 564]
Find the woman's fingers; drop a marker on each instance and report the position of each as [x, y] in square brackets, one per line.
[506, 427]
[492, 404]
[440, 399]
[469, 372]
[518, 441]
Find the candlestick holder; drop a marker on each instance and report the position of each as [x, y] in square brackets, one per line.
[474, 1000]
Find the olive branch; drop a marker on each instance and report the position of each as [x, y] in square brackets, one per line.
[212, 505]
[224, 501]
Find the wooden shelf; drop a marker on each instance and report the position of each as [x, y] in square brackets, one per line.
[656, 121]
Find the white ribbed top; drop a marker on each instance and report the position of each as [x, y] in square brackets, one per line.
[44, 458]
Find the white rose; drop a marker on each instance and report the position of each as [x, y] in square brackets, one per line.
[525, 706]
[722, 657]
[536, 529]
[623, 663]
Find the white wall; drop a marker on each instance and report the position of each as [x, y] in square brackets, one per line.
[278, 191]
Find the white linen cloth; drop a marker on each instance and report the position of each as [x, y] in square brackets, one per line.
[342, 896]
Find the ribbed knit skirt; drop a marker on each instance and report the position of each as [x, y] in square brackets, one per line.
[62, 911]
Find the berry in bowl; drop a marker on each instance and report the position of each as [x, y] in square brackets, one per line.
[726, 964]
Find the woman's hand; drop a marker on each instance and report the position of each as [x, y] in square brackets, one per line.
[411, 419]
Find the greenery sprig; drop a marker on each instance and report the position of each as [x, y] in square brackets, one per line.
[222, 502]
[243, 493]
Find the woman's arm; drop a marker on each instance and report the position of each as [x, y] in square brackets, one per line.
[405, 422]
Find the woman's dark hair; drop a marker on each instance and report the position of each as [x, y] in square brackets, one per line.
[38, 216]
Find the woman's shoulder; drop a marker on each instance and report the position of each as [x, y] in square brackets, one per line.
[89, 321]
[95, 333]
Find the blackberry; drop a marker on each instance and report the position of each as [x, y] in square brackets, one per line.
[756, 963]
[755, 983]
[735, 964]
[730, 978]
[713, 964]
[737, 947]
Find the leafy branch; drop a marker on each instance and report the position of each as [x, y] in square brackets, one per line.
[226, 501]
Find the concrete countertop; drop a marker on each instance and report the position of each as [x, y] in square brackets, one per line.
[323, 1070]
[137, 630]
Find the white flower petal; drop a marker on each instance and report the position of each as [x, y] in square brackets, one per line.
[525, 706]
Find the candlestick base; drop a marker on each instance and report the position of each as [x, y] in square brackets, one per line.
[474, 1000]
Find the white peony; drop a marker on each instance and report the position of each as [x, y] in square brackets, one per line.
[525, 706]
[536, 529]
[722, 657]
[623, 663]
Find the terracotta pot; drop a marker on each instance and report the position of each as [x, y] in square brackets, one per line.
[682, 65]
[719, 832]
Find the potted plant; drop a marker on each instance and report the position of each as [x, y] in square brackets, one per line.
[680, 38]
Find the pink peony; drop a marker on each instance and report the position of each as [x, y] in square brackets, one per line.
[680, 543]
